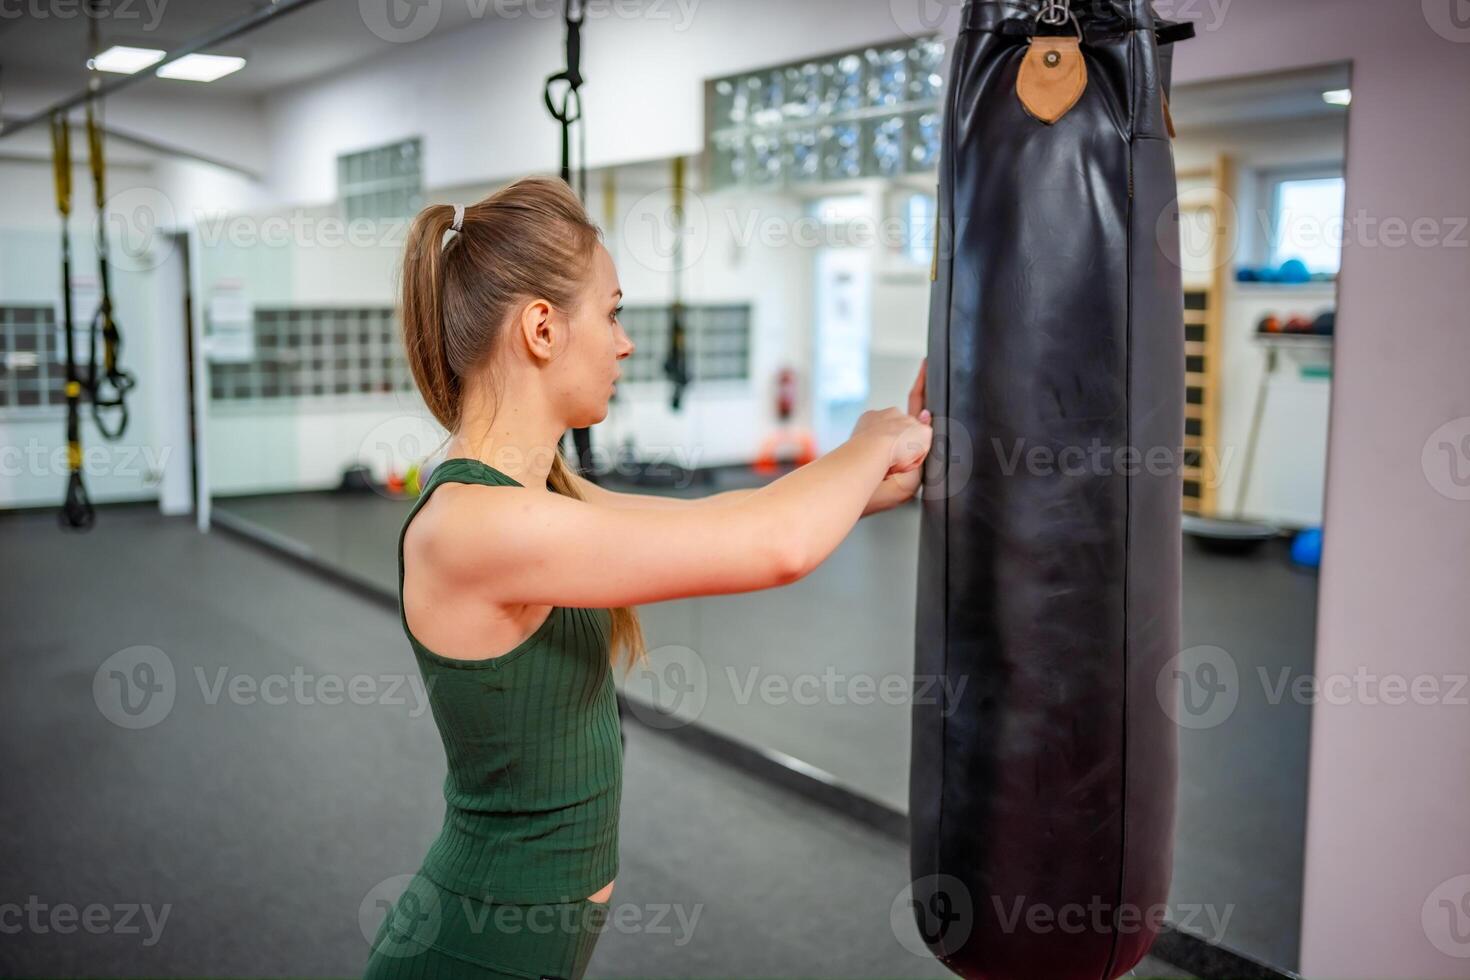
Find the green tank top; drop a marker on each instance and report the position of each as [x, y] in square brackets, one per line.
[533, 746]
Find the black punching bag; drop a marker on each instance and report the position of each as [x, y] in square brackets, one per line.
[1041, 796]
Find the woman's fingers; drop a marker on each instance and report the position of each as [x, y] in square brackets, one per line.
[916, 393]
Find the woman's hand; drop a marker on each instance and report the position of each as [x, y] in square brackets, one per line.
[905, 439]
[900, 486]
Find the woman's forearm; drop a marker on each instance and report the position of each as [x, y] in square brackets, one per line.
[815, 506]
[888, 496]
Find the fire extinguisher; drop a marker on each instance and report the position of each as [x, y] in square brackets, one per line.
[785, 394]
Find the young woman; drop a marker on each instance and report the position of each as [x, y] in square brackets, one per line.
[517, 577]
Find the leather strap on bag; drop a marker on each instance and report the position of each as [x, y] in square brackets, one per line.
[1053, 77]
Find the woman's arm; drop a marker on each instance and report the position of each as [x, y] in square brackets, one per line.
[532, 547]
[594, 494]
[893, 491]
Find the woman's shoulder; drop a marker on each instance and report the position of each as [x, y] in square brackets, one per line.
[452, 510]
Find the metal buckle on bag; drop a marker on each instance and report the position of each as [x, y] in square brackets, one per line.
[1056, 13]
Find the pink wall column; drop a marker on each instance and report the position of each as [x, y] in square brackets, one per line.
[1389, 804]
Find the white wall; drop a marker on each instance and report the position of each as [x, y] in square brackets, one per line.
[475, 96]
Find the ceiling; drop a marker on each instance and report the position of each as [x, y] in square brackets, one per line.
[45, 50]
[42, 48]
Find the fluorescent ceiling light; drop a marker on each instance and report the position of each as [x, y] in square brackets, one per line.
[1338, 96]
[201, 67]
[125, 60]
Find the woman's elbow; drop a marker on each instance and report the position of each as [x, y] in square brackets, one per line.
[790, 563]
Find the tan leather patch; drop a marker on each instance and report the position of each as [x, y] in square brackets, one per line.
[1168, 116]
[1053, 77]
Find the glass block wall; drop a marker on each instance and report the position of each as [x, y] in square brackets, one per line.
[33, 358]
[717, 342]
[874, 112]
[382, 183]
[304, 352]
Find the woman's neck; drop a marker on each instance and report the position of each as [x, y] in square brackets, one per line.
[520, 440]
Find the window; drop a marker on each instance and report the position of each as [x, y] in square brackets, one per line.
[32, 369]
[919, 219]
[717, 339]
[317, 351]
[873, 112]
[382, 183]
[1307, 220]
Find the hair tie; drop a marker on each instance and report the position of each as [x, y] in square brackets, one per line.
[458, 217]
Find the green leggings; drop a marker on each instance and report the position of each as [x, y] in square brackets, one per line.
[432, 933]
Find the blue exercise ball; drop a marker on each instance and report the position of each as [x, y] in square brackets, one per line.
[1306, 548]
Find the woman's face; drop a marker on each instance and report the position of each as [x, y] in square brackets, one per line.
[597, 344]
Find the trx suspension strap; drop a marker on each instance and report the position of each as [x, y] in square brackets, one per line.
[567, 112]
[120, 381]
[76, 509]
[570, 109]
[676, 364]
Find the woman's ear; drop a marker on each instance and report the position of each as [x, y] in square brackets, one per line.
[539, 330]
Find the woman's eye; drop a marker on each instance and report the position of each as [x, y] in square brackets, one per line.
[617, 312]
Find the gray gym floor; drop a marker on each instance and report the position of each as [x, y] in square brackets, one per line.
[1242, 793]
[235, 832]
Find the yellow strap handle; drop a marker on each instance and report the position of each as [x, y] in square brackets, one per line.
[609, 199]
[678, 188]
[61, 162]
[95, 157]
